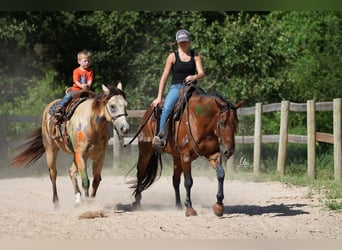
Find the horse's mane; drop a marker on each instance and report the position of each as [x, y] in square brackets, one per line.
[99, 98]
[200, 91]
[229, 105]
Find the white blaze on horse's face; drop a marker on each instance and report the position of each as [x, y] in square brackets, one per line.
[116, 113]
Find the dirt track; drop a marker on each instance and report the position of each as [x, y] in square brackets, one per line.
[252, 211]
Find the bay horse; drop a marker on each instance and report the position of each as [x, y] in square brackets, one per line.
[88, 133]
[206, 128]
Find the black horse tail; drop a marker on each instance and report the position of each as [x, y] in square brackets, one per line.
[31, 151]
[152, 173]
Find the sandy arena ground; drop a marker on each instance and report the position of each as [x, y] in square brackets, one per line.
[252, 211]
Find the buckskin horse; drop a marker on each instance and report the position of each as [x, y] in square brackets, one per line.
[206, 128]
[87, 134]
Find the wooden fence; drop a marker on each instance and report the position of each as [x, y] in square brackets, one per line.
[283, 138]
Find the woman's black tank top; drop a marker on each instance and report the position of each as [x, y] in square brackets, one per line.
[180, 70]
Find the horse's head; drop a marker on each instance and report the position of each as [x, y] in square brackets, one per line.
[226, 126]
[115, 110]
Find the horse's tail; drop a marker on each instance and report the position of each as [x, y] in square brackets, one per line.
[152, 173]
[31, 151]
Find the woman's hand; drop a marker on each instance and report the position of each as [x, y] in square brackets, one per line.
[190, 78]
[156, 102]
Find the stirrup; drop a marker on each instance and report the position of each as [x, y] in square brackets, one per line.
[158, 142]
[58, 115]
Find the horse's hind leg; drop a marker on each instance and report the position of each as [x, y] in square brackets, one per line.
[145, 151]
[188, 181]
[97, 168]
[51, 155]
[73, 177]
[177, 171]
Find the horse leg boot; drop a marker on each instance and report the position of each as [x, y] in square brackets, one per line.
[188, 181]
[218, 207]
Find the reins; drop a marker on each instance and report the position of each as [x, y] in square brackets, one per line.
[141, 127]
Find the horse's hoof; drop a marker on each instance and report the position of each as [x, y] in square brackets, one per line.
[179, 207]
[78, 198]
[136, 205]
[218, 209]
[56, 206]
[190, 212]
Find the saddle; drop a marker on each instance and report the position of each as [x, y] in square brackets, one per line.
[184, 96]
[58, 126]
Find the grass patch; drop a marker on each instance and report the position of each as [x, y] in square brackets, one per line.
[334, 205]
[329, 191]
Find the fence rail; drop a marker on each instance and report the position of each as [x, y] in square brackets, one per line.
[312, 136]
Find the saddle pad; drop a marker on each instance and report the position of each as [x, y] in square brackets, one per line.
[53, 107]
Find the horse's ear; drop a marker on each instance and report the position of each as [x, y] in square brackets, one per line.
[105, 89]
[220, 103]
[119, 85]
[239, 104]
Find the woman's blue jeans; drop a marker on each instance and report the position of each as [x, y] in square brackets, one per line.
[170, 101]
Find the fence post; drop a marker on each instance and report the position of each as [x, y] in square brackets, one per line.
[257, 139]
[311, 138]
[283, 136]
[337, 119]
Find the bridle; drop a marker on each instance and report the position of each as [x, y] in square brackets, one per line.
[114, 118]
[223, 109]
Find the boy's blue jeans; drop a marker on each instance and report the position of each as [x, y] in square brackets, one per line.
[170, 101]
[66, 99]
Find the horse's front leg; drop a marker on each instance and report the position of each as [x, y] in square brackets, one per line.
[218, 207]
[220, 174]
[81, 164]
[73, 176]
[97, 168]
[188, 182]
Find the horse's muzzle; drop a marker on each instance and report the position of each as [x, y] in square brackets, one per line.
[121, 126]
[228, 153]
[124, 129]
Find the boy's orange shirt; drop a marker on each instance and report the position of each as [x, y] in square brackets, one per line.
[83, 76]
